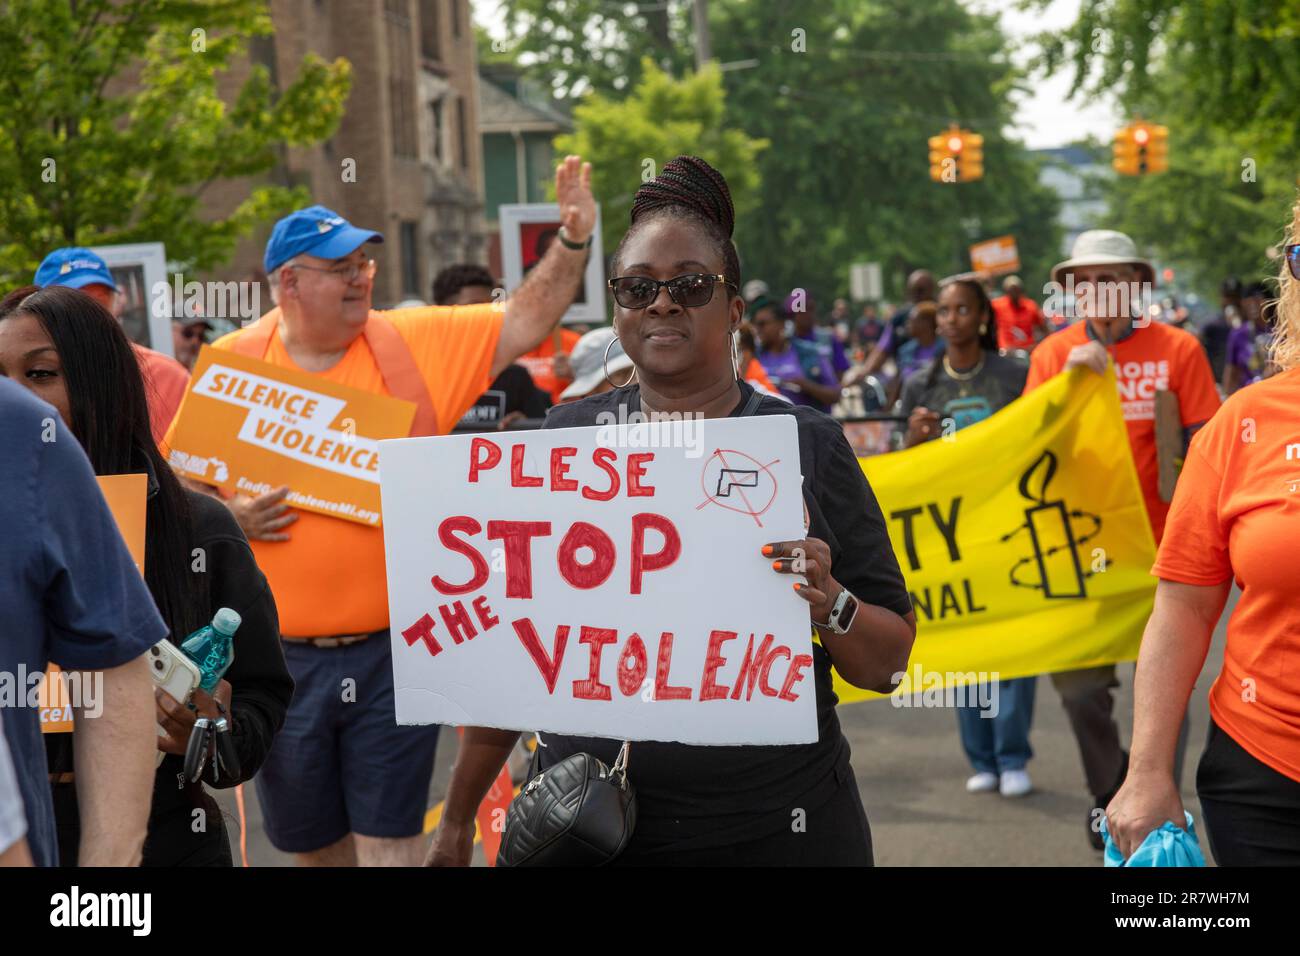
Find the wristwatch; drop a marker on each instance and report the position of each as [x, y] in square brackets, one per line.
[570, 244]
[842, 613]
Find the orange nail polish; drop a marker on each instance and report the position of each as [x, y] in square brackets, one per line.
[776, 565]
[798, 587]
[767, 549]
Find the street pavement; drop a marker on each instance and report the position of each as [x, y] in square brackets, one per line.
[911, 774]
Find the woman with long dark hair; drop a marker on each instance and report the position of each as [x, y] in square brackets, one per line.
[965, 384]
[676, 289]
[69, 351]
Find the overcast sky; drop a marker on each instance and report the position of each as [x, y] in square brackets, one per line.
[1044, 117]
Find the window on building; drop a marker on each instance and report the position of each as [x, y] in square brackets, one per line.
[401, 77]
[439, 154]
[410, 260]
[429, 45]
[462, 136]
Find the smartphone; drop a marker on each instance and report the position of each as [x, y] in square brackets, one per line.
[173, 672]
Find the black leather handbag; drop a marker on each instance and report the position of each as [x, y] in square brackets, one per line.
[578, 813]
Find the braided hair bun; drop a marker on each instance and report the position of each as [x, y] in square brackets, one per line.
[689, 188]
[691, 182]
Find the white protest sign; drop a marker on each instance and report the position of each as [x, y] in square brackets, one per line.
[604, 581]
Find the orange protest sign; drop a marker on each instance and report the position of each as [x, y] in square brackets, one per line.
[126, 496]
[250, 426]
[996, 255]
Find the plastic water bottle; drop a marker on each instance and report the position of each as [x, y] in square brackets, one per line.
[212, 647]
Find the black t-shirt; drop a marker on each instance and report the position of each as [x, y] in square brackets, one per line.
[511, 391]
[999, 382]
[715, 796]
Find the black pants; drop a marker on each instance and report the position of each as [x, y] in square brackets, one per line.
[1252, 812]
[172, 839]
[836, 833]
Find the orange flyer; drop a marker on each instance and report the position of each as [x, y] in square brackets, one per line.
[126, 496]
[248, 426]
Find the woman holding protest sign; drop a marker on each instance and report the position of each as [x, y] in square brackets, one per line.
[678, 306]
[965, 384]
[70, 352]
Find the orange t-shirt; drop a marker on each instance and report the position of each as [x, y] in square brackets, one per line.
[1155, 357]
[1016, 323]
[756, 376]
[539, 363]
[1236, 515]
[165, 382]
[329, 577]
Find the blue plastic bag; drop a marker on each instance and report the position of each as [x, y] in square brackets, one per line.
[1167, 846]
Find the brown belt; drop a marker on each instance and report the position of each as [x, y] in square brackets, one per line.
[62, 777]
[341, 641]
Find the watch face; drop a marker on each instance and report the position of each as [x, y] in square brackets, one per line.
[845, 618]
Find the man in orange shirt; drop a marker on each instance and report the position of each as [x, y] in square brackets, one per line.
[1020, 321]
[548, 364]
[165, 379]
[343, 783]
[1109, 279]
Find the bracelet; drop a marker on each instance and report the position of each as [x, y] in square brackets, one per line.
[570, 244]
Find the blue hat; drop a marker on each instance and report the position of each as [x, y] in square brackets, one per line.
[75, 268]
[315, 230]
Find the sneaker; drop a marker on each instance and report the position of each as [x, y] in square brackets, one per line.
[1015, 783]
[983, 782]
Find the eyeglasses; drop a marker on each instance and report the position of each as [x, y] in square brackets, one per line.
[347, 273]
[1293, 259]
[689, 291]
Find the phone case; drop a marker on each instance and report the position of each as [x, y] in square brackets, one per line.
[173, 672]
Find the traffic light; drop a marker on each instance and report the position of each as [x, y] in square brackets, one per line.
[956, 156]
[1141, 148]
[941, 165]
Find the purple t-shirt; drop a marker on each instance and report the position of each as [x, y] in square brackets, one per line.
[781, 367]
[1248, 350]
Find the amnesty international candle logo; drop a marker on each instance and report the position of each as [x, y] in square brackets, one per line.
[249, 426]
[1056, 549]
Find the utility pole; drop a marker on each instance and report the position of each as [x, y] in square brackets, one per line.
[703, 48]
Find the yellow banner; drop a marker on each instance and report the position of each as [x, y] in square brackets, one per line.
[1023, 539]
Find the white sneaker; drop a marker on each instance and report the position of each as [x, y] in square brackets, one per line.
[983, 782]
[1015, 783]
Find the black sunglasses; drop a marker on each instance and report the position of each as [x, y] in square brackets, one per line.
[689, 291]
[1293, 259]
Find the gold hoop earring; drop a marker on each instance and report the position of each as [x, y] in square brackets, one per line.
[605, 365]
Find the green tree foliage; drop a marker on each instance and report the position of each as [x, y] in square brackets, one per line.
[579, 46]
[629, 140]
[847, 93]
[111, 125]
[846, 178]
[1222, 76]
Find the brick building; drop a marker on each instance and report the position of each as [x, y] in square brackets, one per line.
[410, 129]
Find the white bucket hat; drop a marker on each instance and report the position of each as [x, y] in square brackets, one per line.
[588, 361]
[1103, 247]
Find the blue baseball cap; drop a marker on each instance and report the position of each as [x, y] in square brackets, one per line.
[75, 268]
[316, 231]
